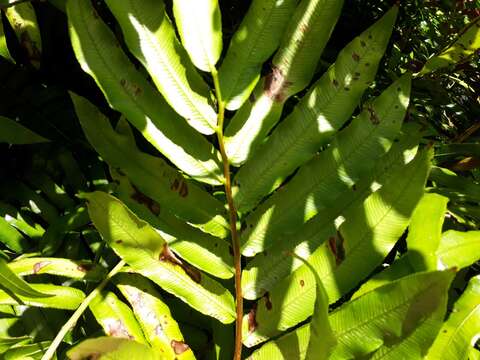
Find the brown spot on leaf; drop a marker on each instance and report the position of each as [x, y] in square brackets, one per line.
[252, 321]
[268, 302]
[131, 88]
[362, 43]
[175, 185]
[31, 49]
[336, 246]
[275, 85]
[179, 347]
[119, 241]
[183, 192]
[143, 199]
[372, 115]
[356, 57]
[167, 255]
[84, 267]
[39, 265]
[302, 283]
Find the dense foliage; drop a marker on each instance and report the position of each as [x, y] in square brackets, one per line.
[294, 179]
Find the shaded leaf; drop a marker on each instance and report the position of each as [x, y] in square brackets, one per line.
[460, 51]
[23, 19]
[13, 133]
[10, 281]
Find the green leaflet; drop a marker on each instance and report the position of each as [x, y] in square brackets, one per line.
[148, 254]
[202, 250]
[390, 314]
[71, 220]
[59, 297]
[53, 191]
[127, 91]
[253, 43]
[463, 48]
[152, 175]
[199, 24]
[16, 192]
[368, 231]
[458, 333]
[425, 231]
[10, 281]
[111, 348]
[325, 108]
[156, 321]
[24, 22]
[12, 238]
[362, 325]
[4, 52]
[454, 186]
[27, 352]
[322, 339]
[7, 342]
[351, 155]
[151, 37]
[21, 220]
[266, 269]
[292, 70]
[75, 269]
[13, 133]
[458, 249]
[115, 317]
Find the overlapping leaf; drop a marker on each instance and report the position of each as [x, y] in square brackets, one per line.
[390, 314]
[152, 175]
[263, 272]
[293, 67]
[156, 321]
[351, 155]
[325, 108]
[462, 327]
[115, 317]
[151, 37]
[147, 253]
[366, 235]
[24, 22]
[255, 40]
[461, 50]
[127, 91]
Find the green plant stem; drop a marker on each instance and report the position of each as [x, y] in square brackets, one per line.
[76, 315]
[233, 220]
